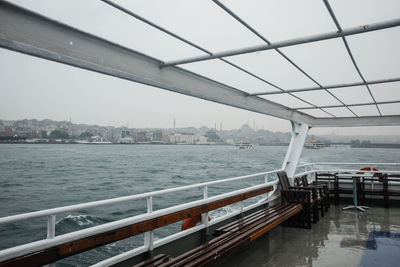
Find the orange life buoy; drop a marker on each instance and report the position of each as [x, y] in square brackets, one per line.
[191, 222]
[369, 168]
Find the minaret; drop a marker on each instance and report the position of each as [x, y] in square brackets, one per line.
[174, 123]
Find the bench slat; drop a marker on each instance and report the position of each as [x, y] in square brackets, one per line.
[248, 218]
[156, 260]
[230, 240]
[227, 247]
[254, 221]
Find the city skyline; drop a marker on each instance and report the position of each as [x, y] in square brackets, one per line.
[217, 127]
[49, 131]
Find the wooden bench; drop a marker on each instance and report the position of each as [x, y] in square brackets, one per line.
[154, 261]
[234, 235]
[384, 189]
[342, 190]
[364, 188]
[390, 191]
[315, 200]
[322, 189]
[325, 178]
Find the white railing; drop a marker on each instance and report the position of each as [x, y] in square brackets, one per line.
[373, 164]
[312, 168]
[149, 242]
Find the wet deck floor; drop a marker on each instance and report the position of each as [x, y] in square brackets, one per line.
[338, 239]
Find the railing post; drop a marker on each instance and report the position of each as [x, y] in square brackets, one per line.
[266, 177]
[51, 226]
[204, 216]
[51, 232]
[312, 168]
[149, 236]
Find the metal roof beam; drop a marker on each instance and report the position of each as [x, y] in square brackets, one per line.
[24, 31]
[351, 105]
[241, 21]
[330, 10]
[144, 20]
[333, 86]
[292, 42]
[180, 38]
[357, 121]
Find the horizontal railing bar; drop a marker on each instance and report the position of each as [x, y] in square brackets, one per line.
[304, 173]
[347, 170]
[132, 253]
[352, 170]
[291, 42]
[24, 249]
[305, 165]
[347, 163]
[54, 211]
[357, 163]
[125, 255]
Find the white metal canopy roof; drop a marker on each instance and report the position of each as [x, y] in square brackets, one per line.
[318, 102]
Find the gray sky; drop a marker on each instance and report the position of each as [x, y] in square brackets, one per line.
[36, 88]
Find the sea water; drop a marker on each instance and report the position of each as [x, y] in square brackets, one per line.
[34, 177]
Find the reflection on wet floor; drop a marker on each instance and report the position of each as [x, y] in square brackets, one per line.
[338, 239]
[382, 249]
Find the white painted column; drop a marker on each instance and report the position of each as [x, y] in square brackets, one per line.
[149, 236]
[51, 232]
[299, 135]
[204, 216]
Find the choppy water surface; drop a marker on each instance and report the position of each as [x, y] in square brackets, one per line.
[34, 177]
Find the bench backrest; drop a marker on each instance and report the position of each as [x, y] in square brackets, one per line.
[392, 177]
[304, 180]
[322, 176]
[284, 180]
[298, 181]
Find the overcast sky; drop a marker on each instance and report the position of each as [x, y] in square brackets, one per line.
[36, 88]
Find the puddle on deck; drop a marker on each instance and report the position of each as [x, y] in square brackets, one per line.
[341, 238]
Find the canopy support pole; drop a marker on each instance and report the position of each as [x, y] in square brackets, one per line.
[299, 135]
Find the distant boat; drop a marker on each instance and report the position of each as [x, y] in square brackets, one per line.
[314, 144]
[243, 145]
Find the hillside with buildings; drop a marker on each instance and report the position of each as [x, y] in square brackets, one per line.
[49, 131]
[44, 131]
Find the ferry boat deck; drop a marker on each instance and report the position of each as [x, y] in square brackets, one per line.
[341, 238]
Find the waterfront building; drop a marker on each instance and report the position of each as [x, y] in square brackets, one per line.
[149, 136]
[187, 139]
[124, 133]
[141, 137]
[157, 136]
